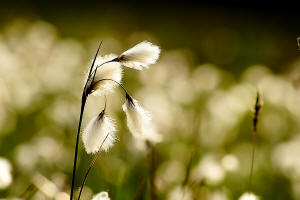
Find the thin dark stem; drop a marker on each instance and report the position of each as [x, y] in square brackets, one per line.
[257, 109]
[252, 160]
[95, 70]
[188, 170]
[28, 190]
[90, 167]
[152, 170]
[187, 174]
[120, 84]
[140, 189]
[91, 69]
[76, 147]
[83, 102]
[113, 60]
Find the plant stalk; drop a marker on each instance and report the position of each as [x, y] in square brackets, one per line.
[90, 167]
[152, 170]
[252, 160]
[257, 109]
[83, 102]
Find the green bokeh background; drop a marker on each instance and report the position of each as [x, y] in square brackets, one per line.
[201, 93]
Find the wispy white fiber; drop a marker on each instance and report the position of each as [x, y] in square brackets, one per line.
[97, 130]
[111, 70]
[139, 121]
[101, 196]
[140, 56]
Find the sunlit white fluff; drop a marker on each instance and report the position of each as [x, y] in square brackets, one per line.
[5, 173]
[140, 56]
[101, 196]
[248, 196]
[95, 133]
[111, 70]
[139, 121]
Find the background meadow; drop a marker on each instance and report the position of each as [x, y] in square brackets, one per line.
[201, 94]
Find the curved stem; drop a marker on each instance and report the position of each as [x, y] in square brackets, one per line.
[113, 60]
[95, 71]
[92, 74]
[120, 84]
[90, 167]
[105, 104]
[83, 101]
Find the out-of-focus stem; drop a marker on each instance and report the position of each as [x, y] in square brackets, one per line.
[152, 170]
[188, 170]
[252, 160]
[257, 109]
[140, 190]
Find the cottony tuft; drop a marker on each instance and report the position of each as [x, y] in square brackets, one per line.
[100, 131]
[140, 56]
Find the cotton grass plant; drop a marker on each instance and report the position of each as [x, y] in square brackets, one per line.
[257, 110]
[104, 76]
[99, 133]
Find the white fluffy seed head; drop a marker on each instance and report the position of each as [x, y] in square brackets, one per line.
[111, 70]
[140, 56]
[101, 129]
[139, 121]
[101, 196]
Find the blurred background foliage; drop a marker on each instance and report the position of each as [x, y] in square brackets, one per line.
[201, 93]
